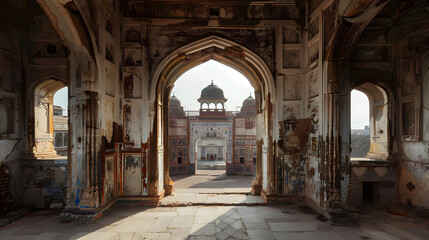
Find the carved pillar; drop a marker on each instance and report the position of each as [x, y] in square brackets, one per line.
[335, 157]
[90, 193]
[168, 183]
[257, 181]
[271, 165]
[153, 158]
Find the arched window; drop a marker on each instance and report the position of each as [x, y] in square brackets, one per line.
[376, 114]
[44, 111]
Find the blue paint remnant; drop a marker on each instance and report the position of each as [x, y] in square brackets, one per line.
[78, 172]
[76, 202]
[84, 207]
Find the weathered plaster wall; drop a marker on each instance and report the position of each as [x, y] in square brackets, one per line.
[9, 157]
[44, 184]
[413, 187]
[414, 175]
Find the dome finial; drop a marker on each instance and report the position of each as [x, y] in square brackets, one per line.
[212, 81]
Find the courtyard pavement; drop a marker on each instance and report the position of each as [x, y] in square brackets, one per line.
[211, 187]
[218, 221]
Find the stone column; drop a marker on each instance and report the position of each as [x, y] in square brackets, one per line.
[271, 163]
[168, 183]
[336, 148]
[153, 157]
[257, 181]
[271, 160]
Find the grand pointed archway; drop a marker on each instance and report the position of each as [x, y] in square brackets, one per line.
[237, 57]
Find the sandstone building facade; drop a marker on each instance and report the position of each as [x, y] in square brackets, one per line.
[212, 134]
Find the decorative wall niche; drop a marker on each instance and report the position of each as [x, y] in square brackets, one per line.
[132, 85]
[408, 118]
[313, 84]
[291, 58]
[132, 33]
[408, 78]
[7, 116]
[109, 181]
[108, 119]
[7, 71]
[132, 124]
[109, 76]
[291, 35]
[132, 57]
[313, 108]
[133, 178]
[313, 54]
[109, 51]
[109, 24]
[291, 88]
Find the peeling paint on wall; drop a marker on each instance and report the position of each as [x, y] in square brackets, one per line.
[6, 148]
[132, 175]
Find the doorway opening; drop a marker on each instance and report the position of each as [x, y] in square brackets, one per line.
[360, 128]
[231, 54]
[369, 123]
[60, 120]
[212, 128]
[50, 119]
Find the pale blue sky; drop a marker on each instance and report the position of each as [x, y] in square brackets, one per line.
[359, 110]
[60, 99]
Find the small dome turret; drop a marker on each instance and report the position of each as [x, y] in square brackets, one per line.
[249, 102]
[175, 102]
[212, 91]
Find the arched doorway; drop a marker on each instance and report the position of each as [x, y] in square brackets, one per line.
[210, 149]
[378, 120]
[42, 99]
[232, 55]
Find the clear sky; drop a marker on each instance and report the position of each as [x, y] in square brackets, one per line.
[236, 88]
[60, 99]
[359, 110]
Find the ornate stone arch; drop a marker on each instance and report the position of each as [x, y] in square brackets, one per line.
[175, 64]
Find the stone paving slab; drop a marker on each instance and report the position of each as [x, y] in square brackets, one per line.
[188, 199]
[216, 222]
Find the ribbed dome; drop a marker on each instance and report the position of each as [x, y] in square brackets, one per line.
[249, 102]
[212, 91]
[175, 102]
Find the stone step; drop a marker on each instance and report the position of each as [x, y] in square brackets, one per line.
[210, 199]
